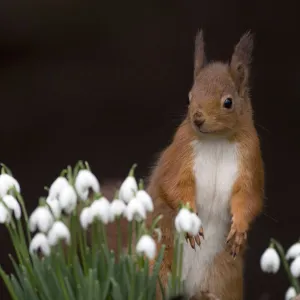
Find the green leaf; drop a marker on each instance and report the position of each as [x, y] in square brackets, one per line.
[116, 291]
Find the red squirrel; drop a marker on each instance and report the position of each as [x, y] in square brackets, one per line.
[214, 163]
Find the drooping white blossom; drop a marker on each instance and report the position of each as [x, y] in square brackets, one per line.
[196, 225]
[117, 209]
[187, 221]
[290, 293]
[100, 210]
[7, 182]
[54, 206]
[5, 214]
[135, 210]
[293, 251]
[86, 217]
[129, 187]
[59, 232]
[57, 186]
[40, 243]
[295, 267]
[270, 261]
[86, 180]
[146, 245]
[146, 200]
[12, 203]
[41, 219]
[68, 199]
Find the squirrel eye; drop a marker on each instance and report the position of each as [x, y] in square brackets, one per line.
[227, 103]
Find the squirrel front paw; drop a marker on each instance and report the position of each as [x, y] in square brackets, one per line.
[237, 236]
[195, 239]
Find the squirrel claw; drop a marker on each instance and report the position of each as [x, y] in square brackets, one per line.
[237, 239]
[192, 239]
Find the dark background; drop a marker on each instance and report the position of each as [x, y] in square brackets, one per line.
[108, 82]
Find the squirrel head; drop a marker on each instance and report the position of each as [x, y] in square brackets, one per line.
[219, 103]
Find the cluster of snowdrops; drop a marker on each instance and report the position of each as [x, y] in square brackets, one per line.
[53, 257]
[274, 256]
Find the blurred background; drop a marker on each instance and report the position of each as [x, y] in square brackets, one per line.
[107, 82]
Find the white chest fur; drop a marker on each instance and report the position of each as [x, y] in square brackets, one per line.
[215, 170]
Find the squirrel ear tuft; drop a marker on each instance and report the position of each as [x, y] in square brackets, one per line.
[241, 60]
[199, 55]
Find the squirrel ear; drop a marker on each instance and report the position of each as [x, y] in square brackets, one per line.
[199, 55]
[241, 59]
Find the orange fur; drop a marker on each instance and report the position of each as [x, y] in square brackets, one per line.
[173, 181]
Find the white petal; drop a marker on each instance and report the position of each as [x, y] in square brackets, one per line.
[54, 206]
[5, 215]
[135, 210]
[270, 261]
[59, 231]
[183, 221]
[196, 224]
[293, 251]
[146, 245]
[7, 182]
[41, 219]
[68, 199]
[13, 205]
[128, 189]
[117, 208]
[39, 242]
[86, 180]
[146, 200]
[290, 293]
[295, 267]
[57, 186]
[85, 217]
[100, 210]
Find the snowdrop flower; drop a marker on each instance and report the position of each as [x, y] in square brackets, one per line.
[57, 186]
[187, 221]
[85, 217]
[86, 180]
[54, 206]
[59, 231]
[146, 245]
[129, 187]
[135, 210]
[295, 267]
[117, 208]
[13, 205]
[5, 215]
[293, 251]
[270, 261]
[40, 243]
[290, 293]
[183, 222]
[7, 182]
[196, 224]
[41, 219]
[68, 199]
[146, 200]
[100, 210]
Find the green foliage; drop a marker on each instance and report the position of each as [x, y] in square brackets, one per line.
[82, 270]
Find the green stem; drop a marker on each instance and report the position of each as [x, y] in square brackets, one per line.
[131, 172]
[21, 201]
[15, 244]
[8, 284]
[180, 262]
[82, 233]
[294, 282]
